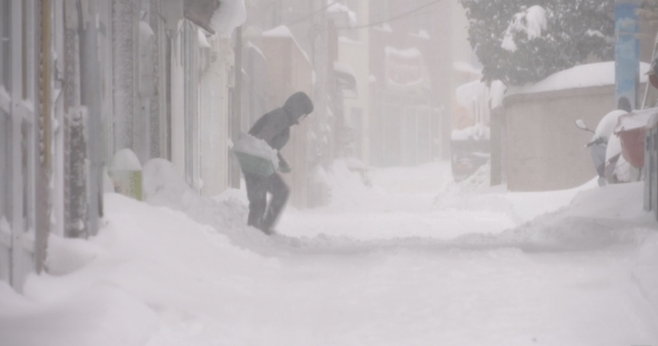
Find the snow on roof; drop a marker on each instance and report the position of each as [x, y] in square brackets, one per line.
[338, 7]
[463, 66]
[384, 27]
[343, 39]
[250, 45]
[407, 53]
[230, 15]
[421, 34]
[581, 76]
[284, 32]
[279, 31]
[344, 68]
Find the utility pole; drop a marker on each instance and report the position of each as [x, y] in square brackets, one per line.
[90, 97]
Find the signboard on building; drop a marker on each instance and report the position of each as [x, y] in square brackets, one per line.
[627, 53]
[405, 69]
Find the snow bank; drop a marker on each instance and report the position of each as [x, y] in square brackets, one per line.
[645, 270]
[230, 15]
[581, 76]
[82, 312]
[596, 218]
[164, 187]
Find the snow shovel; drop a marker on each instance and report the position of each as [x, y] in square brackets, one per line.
[255, 156]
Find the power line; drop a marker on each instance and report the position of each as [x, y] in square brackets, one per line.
[401, 16]
[310, 15]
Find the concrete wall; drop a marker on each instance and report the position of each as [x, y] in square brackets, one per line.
[544, 147]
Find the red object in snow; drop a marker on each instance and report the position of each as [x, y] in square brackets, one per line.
[630, 129]
[632, 146]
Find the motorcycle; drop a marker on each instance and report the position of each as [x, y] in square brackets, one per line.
[605, 150]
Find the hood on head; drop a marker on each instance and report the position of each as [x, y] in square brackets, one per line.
[297, 106]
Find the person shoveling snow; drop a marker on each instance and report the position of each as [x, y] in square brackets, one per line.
[258, 163]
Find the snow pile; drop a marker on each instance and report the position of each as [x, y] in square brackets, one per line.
[596, 218]
[230, 15]
[478, 180]
[337, 7]
[475, 195]
[345, 181]
[164, 187]
[580, 275]
[532, 22]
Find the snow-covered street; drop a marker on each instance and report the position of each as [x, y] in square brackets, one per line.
[412, 259]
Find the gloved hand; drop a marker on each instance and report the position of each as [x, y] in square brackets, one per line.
[283, 166]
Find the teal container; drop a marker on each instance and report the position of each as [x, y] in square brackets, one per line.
[255, 164]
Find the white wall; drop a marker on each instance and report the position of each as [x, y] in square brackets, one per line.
[214, 112]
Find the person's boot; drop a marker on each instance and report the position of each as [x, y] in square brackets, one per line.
[267, 224]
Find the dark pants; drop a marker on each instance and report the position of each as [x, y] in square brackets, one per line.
[261, 215]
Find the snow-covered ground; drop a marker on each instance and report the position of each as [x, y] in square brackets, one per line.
[414, 259]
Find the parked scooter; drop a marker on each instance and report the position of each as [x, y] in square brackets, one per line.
[605, 149]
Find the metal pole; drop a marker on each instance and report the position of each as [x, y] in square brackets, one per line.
[43, 196]
[17, 224]
[236, 116]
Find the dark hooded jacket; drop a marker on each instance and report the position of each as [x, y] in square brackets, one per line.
[274, 127]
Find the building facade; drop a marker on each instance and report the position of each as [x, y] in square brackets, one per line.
[83, 80]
